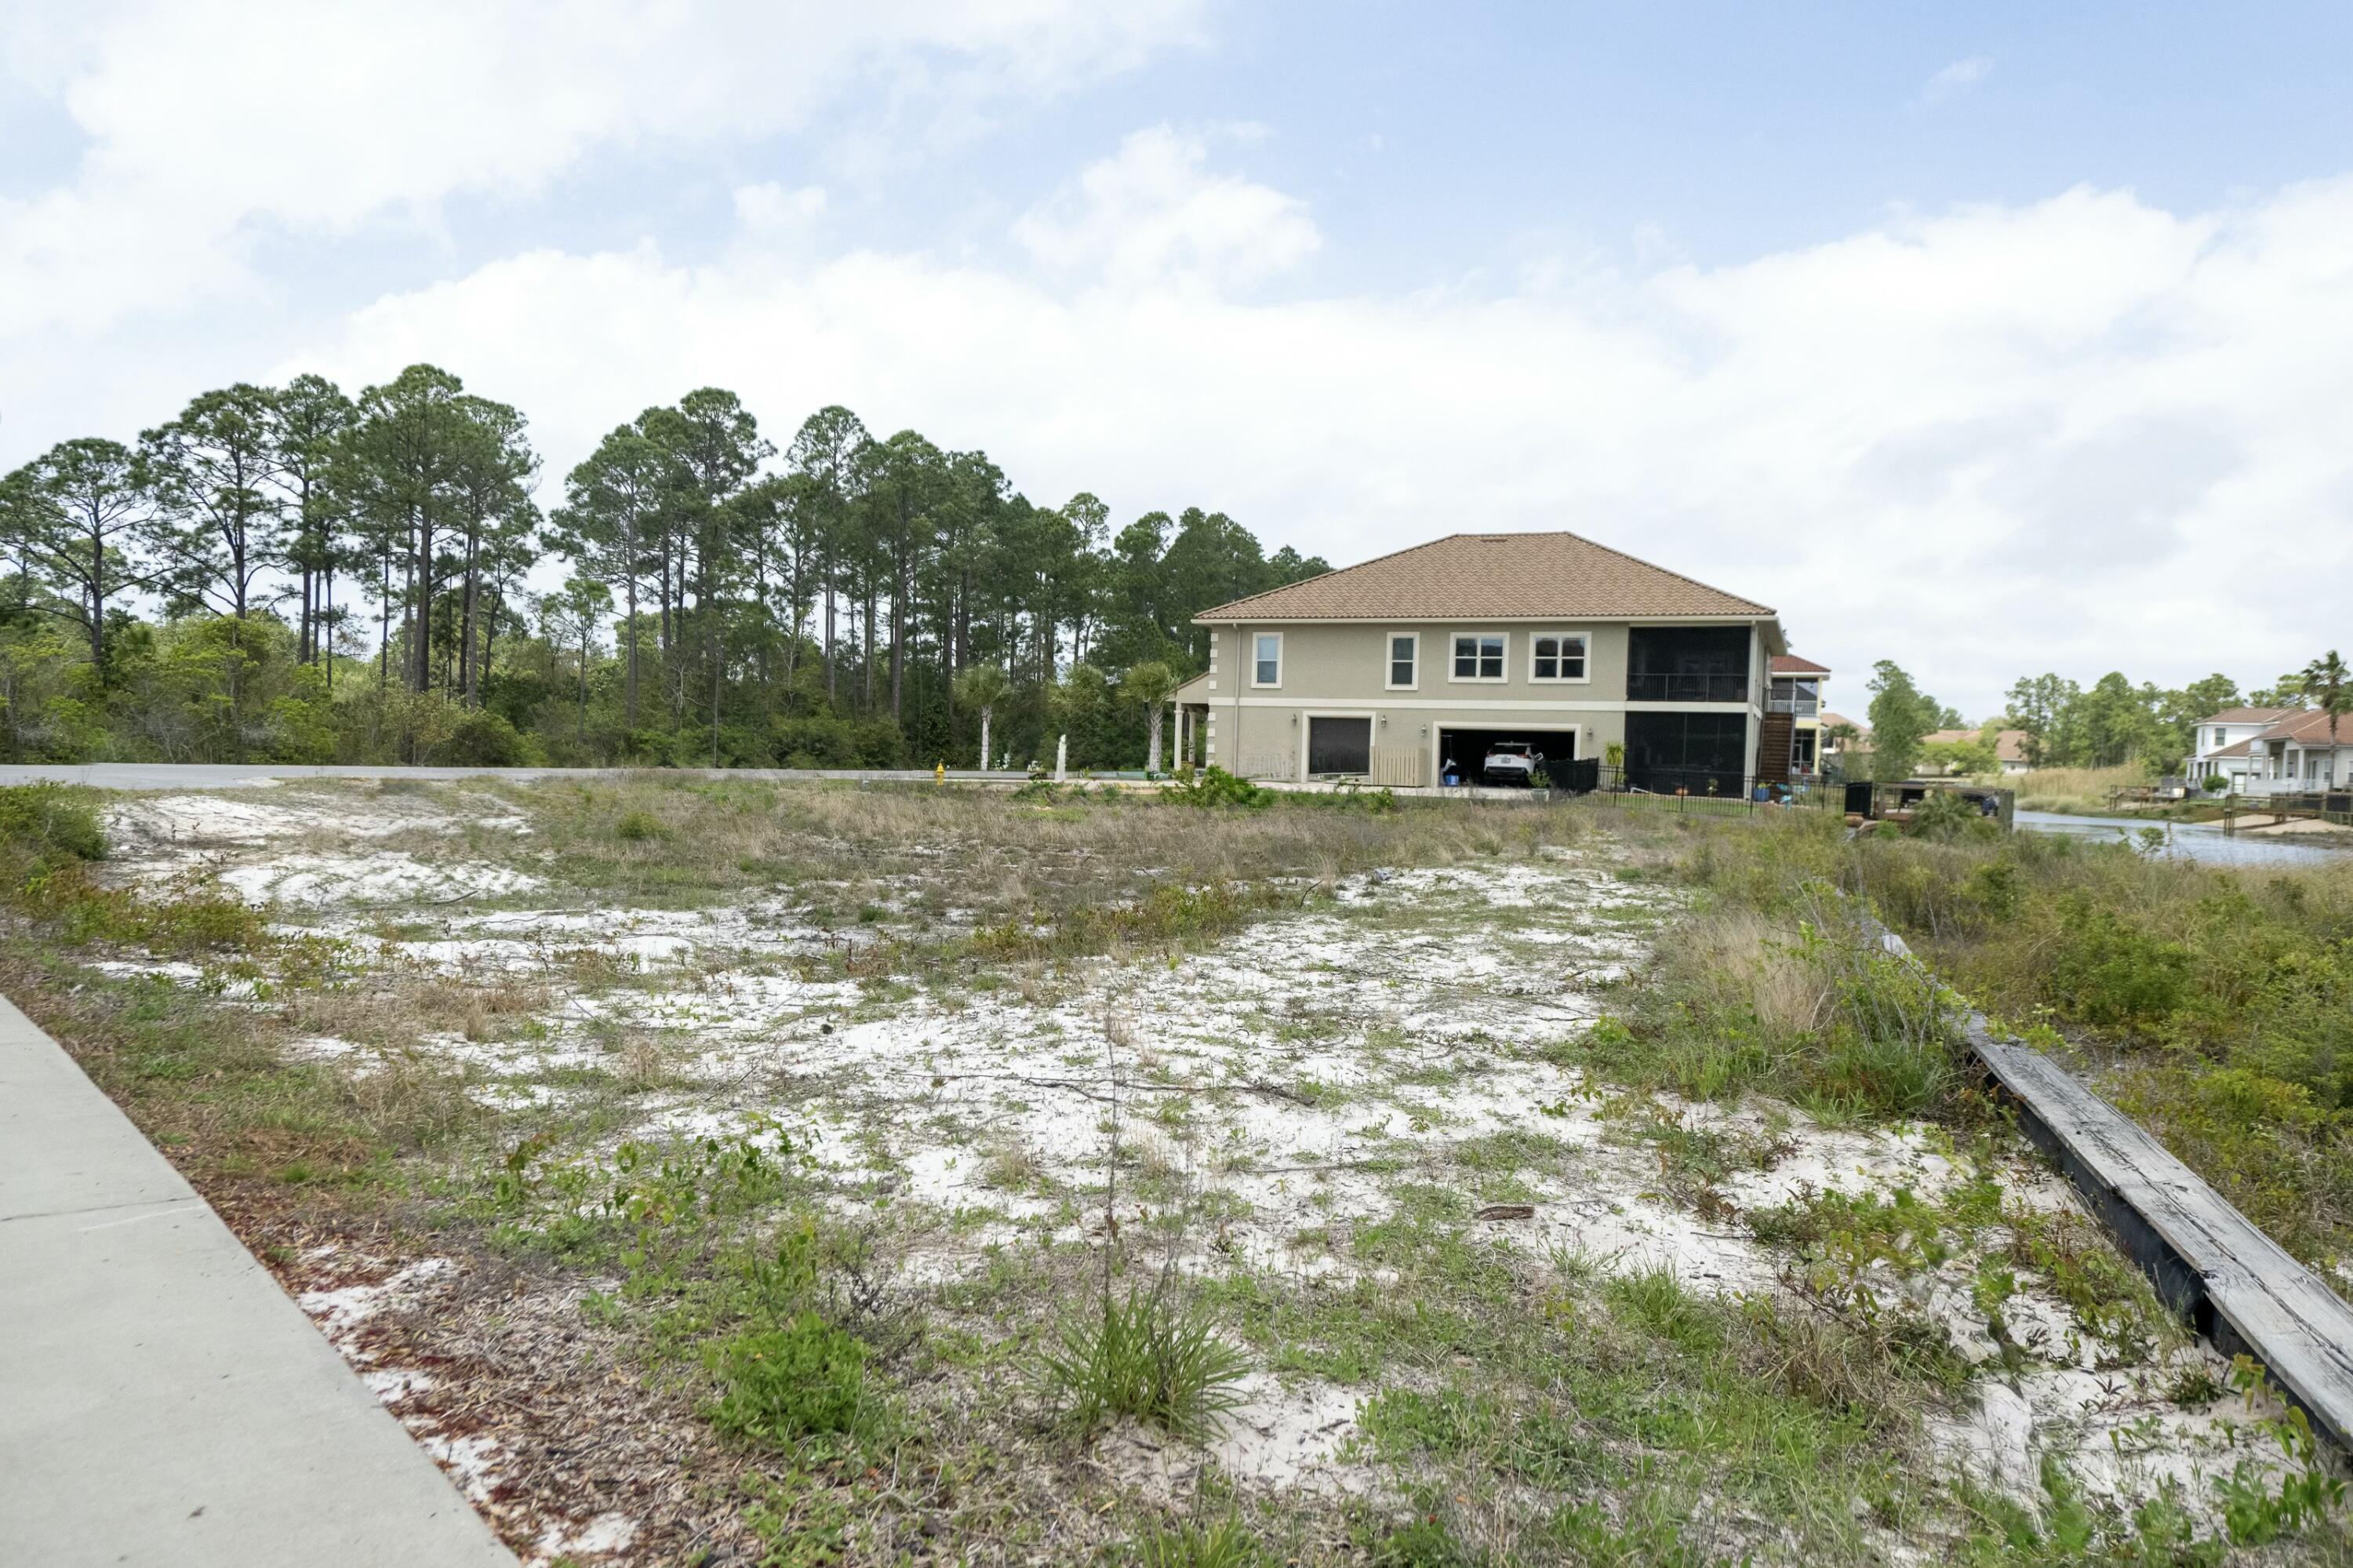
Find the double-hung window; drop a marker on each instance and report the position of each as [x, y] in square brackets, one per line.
[1557, 656]
[1266, 658]
[1478, 656]
[1404, 661]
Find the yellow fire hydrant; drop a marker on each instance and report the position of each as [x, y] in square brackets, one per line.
[940, 774]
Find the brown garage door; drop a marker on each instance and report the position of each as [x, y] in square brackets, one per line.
[1339, 745]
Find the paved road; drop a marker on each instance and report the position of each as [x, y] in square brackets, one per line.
[222, 776]
[162, 1401]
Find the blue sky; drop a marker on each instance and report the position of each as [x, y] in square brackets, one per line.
[2041, 300]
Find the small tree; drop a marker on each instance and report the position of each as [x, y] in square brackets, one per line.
[2330, 684]
[983, 687]
[1900, 716]
[1151, 684]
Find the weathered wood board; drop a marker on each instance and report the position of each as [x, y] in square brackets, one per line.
[2209, 1261]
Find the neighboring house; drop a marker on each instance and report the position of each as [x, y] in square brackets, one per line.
[2220, 746]
[1797, 691]
[1847, 743]
[1393, 669]
[2009, 745]
[2293, 754]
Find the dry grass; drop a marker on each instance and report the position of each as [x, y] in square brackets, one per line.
[1737, 958]
[848, 847]
[2079, 789]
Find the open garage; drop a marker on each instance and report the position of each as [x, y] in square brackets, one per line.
[1463, 750]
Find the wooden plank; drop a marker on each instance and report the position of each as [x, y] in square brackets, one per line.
[2241, 1287]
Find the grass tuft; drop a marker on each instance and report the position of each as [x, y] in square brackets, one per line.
[1150, 1357]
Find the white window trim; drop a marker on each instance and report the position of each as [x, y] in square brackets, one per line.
[1389, 661]
[1455, 679]
[1276, 684]
[1584, 657]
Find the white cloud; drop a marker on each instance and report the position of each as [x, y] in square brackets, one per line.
[768, 209]
[204, 118]
[1955, 79]
[1154, 212]
[2083, 434]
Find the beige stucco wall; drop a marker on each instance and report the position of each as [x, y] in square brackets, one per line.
[1341, 669]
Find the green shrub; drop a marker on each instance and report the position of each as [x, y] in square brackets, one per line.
[639, 827]
[43, 824]
[1151, 1357]
[1947, 814]
[801, 1379]
[1213, 786]
[2113, 974]
[484, 739]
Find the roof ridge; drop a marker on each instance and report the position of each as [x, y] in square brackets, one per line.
[1240, 607]
[1679, 576]
[1336, 571]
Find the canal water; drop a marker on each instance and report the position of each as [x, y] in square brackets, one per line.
[2191, 840]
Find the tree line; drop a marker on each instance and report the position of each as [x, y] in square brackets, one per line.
[296, 574]
[2109, 723]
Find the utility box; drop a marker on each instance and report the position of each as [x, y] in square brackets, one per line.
[1859, 800]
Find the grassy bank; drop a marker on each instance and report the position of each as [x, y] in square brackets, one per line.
[2214, 1004]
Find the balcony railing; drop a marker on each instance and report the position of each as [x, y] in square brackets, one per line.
[1803, 707]
[1687, 688]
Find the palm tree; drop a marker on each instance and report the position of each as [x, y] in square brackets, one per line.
[2328, 681]
[983, 686]
[1151, 684]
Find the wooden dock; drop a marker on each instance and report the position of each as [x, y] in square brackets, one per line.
[2209, 1262]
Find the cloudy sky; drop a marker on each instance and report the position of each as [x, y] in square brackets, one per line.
[1991, 339]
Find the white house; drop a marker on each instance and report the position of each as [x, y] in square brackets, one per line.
[2274, 751]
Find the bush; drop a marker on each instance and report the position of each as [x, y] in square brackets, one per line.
[2215, 783]
[482, 739]
[804, 1379]
[640, 827]
[43, 824]
[2112, 974]
[1946, 814]
[1216, 786]
[1151, 1358]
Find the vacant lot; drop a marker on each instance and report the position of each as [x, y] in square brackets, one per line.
[732, 1173]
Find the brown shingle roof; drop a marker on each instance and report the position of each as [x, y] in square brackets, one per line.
[2009, 745]
[1790, 664]
[1469, 575]
[2309, 726]
[2248, 715]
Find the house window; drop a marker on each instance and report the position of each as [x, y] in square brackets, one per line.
[1266, 664]
[1558, 656]
[1478, 656]
[1405, 661]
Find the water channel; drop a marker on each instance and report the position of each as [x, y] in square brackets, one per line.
[2191, 840]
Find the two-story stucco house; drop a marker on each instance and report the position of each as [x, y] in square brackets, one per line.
[2274, 751]
[1413, 665]
[2223, 745]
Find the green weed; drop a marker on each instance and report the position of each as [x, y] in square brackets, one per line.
[1151, 1356]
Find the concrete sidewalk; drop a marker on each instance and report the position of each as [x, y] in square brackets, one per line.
[162, 1401]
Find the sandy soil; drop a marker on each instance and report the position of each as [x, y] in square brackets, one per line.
[1290, 1080]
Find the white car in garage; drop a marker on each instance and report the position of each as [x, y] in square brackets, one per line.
[1510, 762]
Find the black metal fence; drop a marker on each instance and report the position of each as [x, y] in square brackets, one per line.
[1696, 790]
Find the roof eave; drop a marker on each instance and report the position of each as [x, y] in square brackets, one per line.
[1219, 617]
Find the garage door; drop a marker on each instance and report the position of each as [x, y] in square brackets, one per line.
[1467, 749]
[1339, 745]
